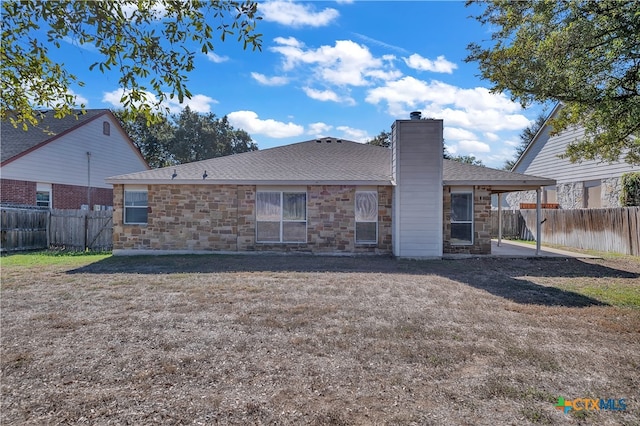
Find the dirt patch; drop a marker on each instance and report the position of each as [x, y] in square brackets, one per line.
[315, 340]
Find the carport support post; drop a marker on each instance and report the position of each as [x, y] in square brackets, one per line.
[499, 218]
[538, 224]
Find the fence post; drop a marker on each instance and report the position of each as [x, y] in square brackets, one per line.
[538, 224]
[86, 229]
[499, 218]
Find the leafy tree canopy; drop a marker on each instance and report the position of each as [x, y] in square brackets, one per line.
[383, 139]
[186, 137]
[466, 159]
[582, 53]
[151, 43]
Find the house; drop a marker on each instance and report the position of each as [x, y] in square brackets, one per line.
[320, 196]
[587, 184]
[63, 163]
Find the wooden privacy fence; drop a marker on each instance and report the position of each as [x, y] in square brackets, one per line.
[32, 229]
[609, 230]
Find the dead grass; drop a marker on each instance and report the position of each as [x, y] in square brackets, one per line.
[317, 341]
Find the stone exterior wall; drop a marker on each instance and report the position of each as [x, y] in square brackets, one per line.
[481, 223]
[610, 194]
[571, 195]
[222, 218]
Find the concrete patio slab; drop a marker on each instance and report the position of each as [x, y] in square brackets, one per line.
[517, 249]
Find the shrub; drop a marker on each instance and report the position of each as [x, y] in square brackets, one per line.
[630, 193]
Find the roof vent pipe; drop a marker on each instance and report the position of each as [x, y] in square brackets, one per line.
[415, 115]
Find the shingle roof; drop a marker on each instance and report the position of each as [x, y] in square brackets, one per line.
[15, 140]
[457, 173]
[327, 160]
[322, 161]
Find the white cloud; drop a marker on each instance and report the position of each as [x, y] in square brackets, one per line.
[288, 41]
[269, 81]
[296, 14]
[158, 11]
[74, 42]
[217, 58]
[319, 130]
[472, 147]
[417, 62]
[381, 43]
[451, 149]
[197, 103]
[473, 109]
[491, 136]
[345, 63]
[321, 95]
[249, 121]
[327, 95]
[455, 133]
[356, 135]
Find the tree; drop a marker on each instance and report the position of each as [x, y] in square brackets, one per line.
[582, 53]
[466, 159]
[383, 139]
[526, 137]
[203, 136]
[152, 139]
[151, 43]
[185, 137]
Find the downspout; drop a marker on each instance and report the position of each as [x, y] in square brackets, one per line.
[88, 180]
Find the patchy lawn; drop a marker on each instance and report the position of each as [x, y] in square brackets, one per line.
[316, 340]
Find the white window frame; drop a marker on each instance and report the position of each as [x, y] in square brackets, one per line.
[471, 222]
[125, 207]
[42, 188]
[355, 201]
[282, 220]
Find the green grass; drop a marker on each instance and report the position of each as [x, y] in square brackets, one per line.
[613, 294]
[51, 257]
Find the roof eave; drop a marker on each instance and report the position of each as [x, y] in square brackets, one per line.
[528, 184]
[116, 181]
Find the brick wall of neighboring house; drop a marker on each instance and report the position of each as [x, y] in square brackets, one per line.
[64, 196]
[222, 218]
[74, 196]
[17, 192]
[481, 223]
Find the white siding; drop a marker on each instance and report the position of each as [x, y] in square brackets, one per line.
[64, 160]
[542, 160]
[417, 209]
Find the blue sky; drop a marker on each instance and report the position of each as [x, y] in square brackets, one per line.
[346, 69]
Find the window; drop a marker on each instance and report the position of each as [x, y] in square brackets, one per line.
[106, 128]
[43, 195]
[592, 194]
[462, 218]
[135, 207]
[366, 217]
[281, 217]
[43, 199]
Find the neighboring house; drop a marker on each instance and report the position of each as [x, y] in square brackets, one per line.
[63, 163]
[587, 184]
[320, 196]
